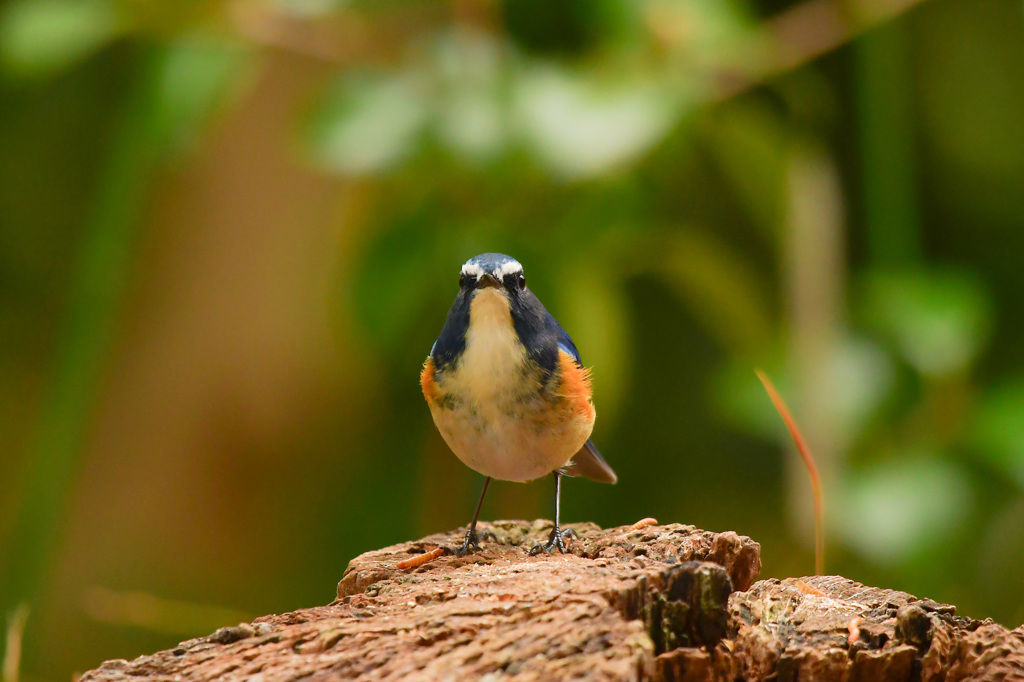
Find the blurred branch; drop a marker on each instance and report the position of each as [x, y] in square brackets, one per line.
[804, 33]
[91, 315]
[12, 650]
[815, 275]
[266, 27]
[345, 38]
[786, 42]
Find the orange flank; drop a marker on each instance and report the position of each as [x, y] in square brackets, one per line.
[430, 389]
[575, 386]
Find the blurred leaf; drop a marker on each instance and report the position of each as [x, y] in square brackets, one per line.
[592, 306]
[940, 320]
[702, 35]
[742, 400]
[997, 560]
[308, 9]
[749, 144]
[866, 376]
[970, 100]
[902, 507]
[580, 127]
[41, 37]
[471, 112]
[543, 27]
[570, 27]
[863, 372]
[195, 77]
[368, 123]
[397, 276]
[724, 291]
[998, 429]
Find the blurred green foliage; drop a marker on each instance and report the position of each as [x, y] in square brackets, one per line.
[230, 231]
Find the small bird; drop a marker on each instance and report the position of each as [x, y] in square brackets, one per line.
[508, 391]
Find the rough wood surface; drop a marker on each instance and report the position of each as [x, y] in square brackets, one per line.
[645, 603]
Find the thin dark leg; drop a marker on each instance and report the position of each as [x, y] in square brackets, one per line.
[472, 539]
[558, 497]
[479, 506]
[558, 536]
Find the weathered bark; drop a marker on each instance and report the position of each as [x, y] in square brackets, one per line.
[651, 603]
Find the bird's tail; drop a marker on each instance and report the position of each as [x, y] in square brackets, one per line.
[589, 463]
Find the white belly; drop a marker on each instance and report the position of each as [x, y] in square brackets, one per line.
[510, 447]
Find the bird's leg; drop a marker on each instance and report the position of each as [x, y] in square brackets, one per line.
[472, 540]
[558, 536]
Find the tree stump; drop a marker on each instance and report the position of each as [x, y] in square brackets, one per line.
[642, 602]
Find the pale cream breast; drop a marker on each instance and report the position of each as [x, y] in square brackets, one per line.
[492, 364]
[511, 449]
[502, 424]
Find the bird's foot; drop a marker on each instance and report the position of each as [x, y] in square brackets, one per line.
[472, 542]
[555, 541]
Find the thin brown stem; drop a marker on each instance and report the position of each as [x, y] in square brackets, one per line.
[805, 32]
[812, 471]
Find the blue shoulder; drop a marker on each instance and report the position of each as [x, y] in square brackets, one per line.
[565, 343]
[540, 333]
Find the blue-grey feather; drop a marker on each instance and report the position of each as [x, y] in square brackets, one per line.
[537, 329]
[490, 261]
[566, 344]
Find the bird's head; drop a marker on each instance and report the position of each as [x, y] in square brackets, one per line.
[501, 274]
[494, 286]
[494, 300]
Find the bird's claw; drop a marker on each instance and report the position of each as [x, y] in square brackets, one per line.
[471, 543]
[555, 541]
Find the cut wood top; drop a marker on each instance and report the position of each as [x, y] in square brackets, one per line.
[645, 602]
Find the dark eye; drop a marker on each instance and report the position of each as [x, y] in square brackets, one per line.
[522, 282]
[463, 280]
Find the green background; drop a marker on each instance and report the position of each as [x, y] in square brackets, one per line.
[230, 232]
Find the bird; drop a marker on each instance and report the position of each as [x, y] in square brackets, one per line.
[508, 391]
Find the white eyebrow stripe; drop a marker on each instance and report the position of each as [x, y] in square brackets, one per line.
[508, 268]
[472, 269]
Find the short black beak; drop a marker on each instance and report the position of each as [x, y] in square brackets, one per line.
[487, 281]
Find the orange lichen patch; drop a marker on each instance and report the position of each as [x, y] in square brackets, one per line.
[854, 629]
[644, 523]
[808, 589]
[420, 559]
[430, 390]
[575, 385]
